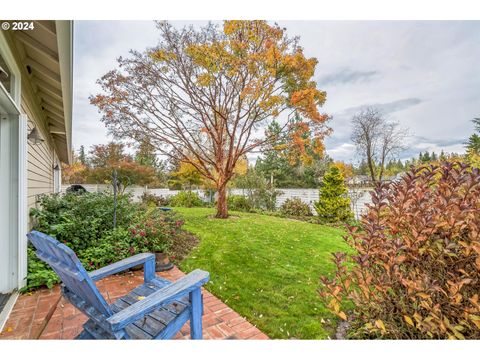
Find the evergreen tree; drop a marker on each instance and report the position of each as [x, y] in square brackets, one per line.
[282, 167]
[273, 165]
[146, 154]
[400, 165]
[81, 156]
[473, 143]
[442, 156]
[333, 204]
[425, 158]
[362, 168]
[434, 156]
[476, 123]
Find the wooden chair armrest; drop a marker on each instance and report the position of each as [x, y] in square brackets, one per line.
[147, 259]
[159, 298]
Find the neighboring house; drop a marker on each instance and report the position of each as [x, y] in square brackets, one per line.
[35, 132]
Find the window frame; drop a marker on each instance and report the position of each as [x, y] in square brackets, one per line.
[16, 82]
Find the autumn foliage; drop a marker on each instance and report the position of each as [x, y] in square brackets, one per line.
[415, 272]
[200, 95]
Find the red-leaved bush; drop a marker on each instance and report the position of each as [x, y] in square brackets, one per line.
[415, 271]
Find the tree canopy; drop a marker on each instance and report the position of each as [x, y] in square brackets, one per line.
[200, 95]
[377, 140]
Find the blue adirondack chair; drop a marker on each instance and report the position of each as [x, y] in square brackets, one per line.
[157, 309]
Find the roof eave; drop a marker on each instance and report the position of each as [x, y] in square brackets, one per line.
[64, 30]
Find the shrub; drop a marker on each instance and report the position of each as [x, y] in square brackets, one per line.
[38, 272]
[113, 246]
[154, 231]
[79, 220]
[239, 203]
[260, 193]
[266, 198]
[295, 207]
[186, 199]
[333, 204]
[416, 268]
[84, 223]
[156, 200]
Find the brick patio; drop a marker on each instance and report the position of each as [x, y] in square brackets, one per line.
[26, 318]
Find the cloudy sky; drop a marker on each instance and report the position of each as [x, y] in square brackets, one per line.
[422, 74]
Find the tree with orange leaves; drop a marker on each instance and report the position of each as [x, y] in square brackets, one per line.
[73, 173]
[345, 169]
[201, 94]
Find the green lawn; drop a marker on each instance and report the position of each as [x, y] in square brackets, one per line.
[266, 268]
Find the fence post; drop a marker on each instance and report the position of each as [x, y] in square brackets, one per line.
[114, 198]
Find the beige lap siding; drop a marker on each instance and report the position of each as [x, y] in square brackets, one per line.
[40, 162]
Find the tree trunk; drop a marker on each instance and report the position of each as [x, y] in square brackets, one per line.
[371, 168]
[222, 210]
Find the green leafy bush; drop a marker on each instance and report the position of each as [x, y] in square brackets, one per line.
[154, 231]
[38, 273]
[259, 192]
[84, 222]
[295, 207]
[239, 203]
[415, 271]
[79, 220]
[186, 199]
[266, 198]
[114, 245]
[333, 204]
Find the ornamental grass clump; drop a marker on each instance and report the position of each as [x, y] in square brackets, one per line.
[415, 272]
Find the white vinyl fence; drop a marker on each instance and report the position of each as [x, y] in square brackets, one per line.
[359, 197]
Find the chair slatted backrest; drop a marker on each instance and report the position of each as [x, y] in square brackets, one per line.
[65, 263]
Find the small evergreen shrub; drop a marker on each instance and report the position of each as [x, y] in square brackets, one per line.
[239, 203]
[295, 207]
[415, 271]
[333, 204]
[186, 199]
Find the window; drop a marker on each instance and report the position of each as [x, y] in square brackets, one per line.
[10, 74]
[6, 76]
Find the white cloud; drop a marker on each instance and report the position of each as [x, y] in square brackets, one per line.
[431, 64]
[344, 152]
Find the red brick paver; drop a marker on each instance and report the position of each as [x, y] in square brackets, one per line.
[30, 310]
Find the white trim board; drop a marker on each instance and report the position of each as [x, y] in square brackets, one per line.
[8, 309]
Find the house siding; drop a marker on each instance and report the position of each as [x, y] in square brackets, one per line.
[28, 170]
[41, 158]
